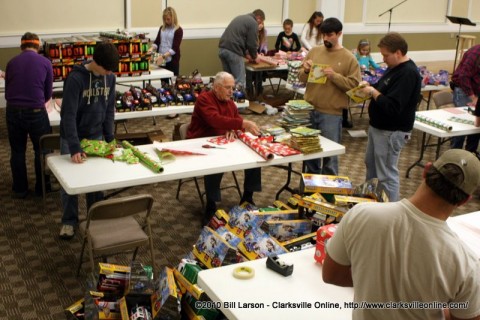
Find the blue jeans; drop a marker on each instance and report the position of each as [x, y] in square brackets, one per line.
[70, 202]
[21, 124]
[381, 158]
[331, 127]
[233, 64]
[460, 99]
[252, 183]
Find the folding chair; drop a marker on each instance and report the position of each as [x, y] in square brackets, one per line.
[116, 226]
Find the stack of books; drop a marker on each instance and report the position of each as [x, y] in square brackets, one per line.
[296, 113]
[305, 140]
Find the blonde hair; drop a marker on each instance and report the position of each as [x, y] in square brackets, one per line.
[362, 44]
[169, 11]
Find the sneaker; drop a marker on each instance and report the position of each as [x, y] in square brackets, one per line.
[67, 232]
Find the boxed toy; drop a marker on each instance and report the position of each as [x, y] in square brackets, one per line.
[219, 219]
[186, 286]
[112, 278]
[135, 307]
[284, 230]
[107, 305]
[281, 205]
[166, 300]
[349, 201]
[371, 189]
[258, 244]
[326, 184]
[276, 214]
[140, 279]
[304, 242]
[323, 234]
[228, 236]
[313, 203]
[76, 311]
[213, 250]
[241, 221]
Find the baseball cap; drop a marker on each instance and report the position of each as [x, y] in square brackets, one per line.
[467, 162]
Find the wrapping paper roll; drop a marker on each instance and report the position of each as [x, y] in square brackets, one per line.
[433, 123]
[255, 145]
[145, 159]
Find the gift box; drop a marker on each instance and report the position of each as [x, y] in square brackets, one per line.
[323, 234]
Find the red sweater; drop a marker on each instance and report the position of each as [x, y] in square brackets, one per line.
[212, 117]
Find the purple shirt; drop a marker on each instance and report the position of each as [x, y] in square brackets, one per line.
[28, 80]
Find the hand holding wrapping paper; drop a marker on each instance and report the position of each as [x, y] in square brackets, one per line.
[144, 158]
[98, 148]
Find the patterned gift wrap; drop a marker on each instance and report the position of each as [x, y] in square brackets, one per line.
[434, 123]
[144, 158]
[461, 120]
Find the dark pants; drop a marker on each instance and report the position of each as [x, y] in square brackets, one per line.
[252, 183]
[70, 202]
[175, 68]
[21, 124]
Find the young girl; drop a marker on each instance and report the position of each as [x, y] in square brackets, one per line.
[311, 35]
[287, 40]
[363, 56]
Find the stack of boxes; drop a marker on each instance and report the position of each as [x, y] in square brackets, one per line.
[68, 51]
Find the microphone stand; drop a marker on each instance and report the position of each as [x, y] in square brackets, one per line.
[390, 15]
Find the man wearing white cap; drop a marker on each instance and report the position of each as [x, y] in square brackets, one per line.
[401, 254]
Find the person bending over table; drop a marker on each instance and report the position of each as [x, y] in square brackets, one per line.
[215, 114]
[88, 110]
[405, 252]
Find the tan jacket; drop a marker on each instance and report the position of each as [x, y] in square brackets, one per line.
[330, 98]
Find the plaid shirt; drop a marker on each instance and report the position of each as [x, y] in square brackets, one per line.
[467, 74]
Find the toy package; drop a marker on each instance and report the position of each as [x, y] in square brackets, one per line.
[106, 304]
[371, 189]
[300, 243]
[285, 230]
[317, 74]
[213, 250]
[349, 201]
[113, 278]
[316, 204]
[166, 300]
[326, 184]
[258, 244]
[276, 214]
[323, 234]
[242, 221]
[228, 236]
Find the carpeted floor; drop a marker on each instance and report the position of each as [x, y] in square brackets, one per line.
[37, 269]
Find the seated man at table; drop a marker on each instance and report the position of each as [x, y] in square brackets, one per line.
[215, 114]
[405, 252]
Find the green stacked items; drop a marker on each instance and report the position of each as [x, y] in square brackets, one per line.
[98, 148]
[432, 122]
[144, 158]
[461, 120]
[305, 140]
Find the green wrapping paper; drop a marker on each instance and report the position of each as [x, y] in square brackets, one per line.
[145, 159]
[97, 148]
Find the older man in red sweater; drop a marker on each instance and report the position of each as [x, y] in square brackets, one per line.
[216, 114]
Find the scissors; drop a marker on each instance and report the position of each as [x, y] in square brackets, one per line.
[207, 146]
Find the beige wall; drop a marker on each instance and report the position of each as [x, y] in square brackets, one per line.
[201, 54]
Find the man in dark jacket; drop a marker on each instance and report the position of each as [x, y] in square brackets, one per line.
[88, 110]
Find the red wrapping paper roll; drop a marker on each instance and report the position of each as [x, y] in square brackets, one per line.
[256, 146]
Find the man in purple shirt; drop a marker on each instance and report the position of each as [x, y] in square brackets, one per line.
[28, 85]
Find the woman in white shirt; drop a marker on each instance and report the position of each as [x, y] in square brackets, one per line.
[311, 35]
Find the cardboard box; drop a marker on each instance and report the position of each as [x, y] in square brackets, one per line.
[76, 311]
[304, 242]
[284, 230]
[113, 278]
[313, 203]
[166, 300]
[213, 250]
[349, 201]
[323, 234]
[276, 214]
[242, 221]
[326, 184]
[258, 244]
